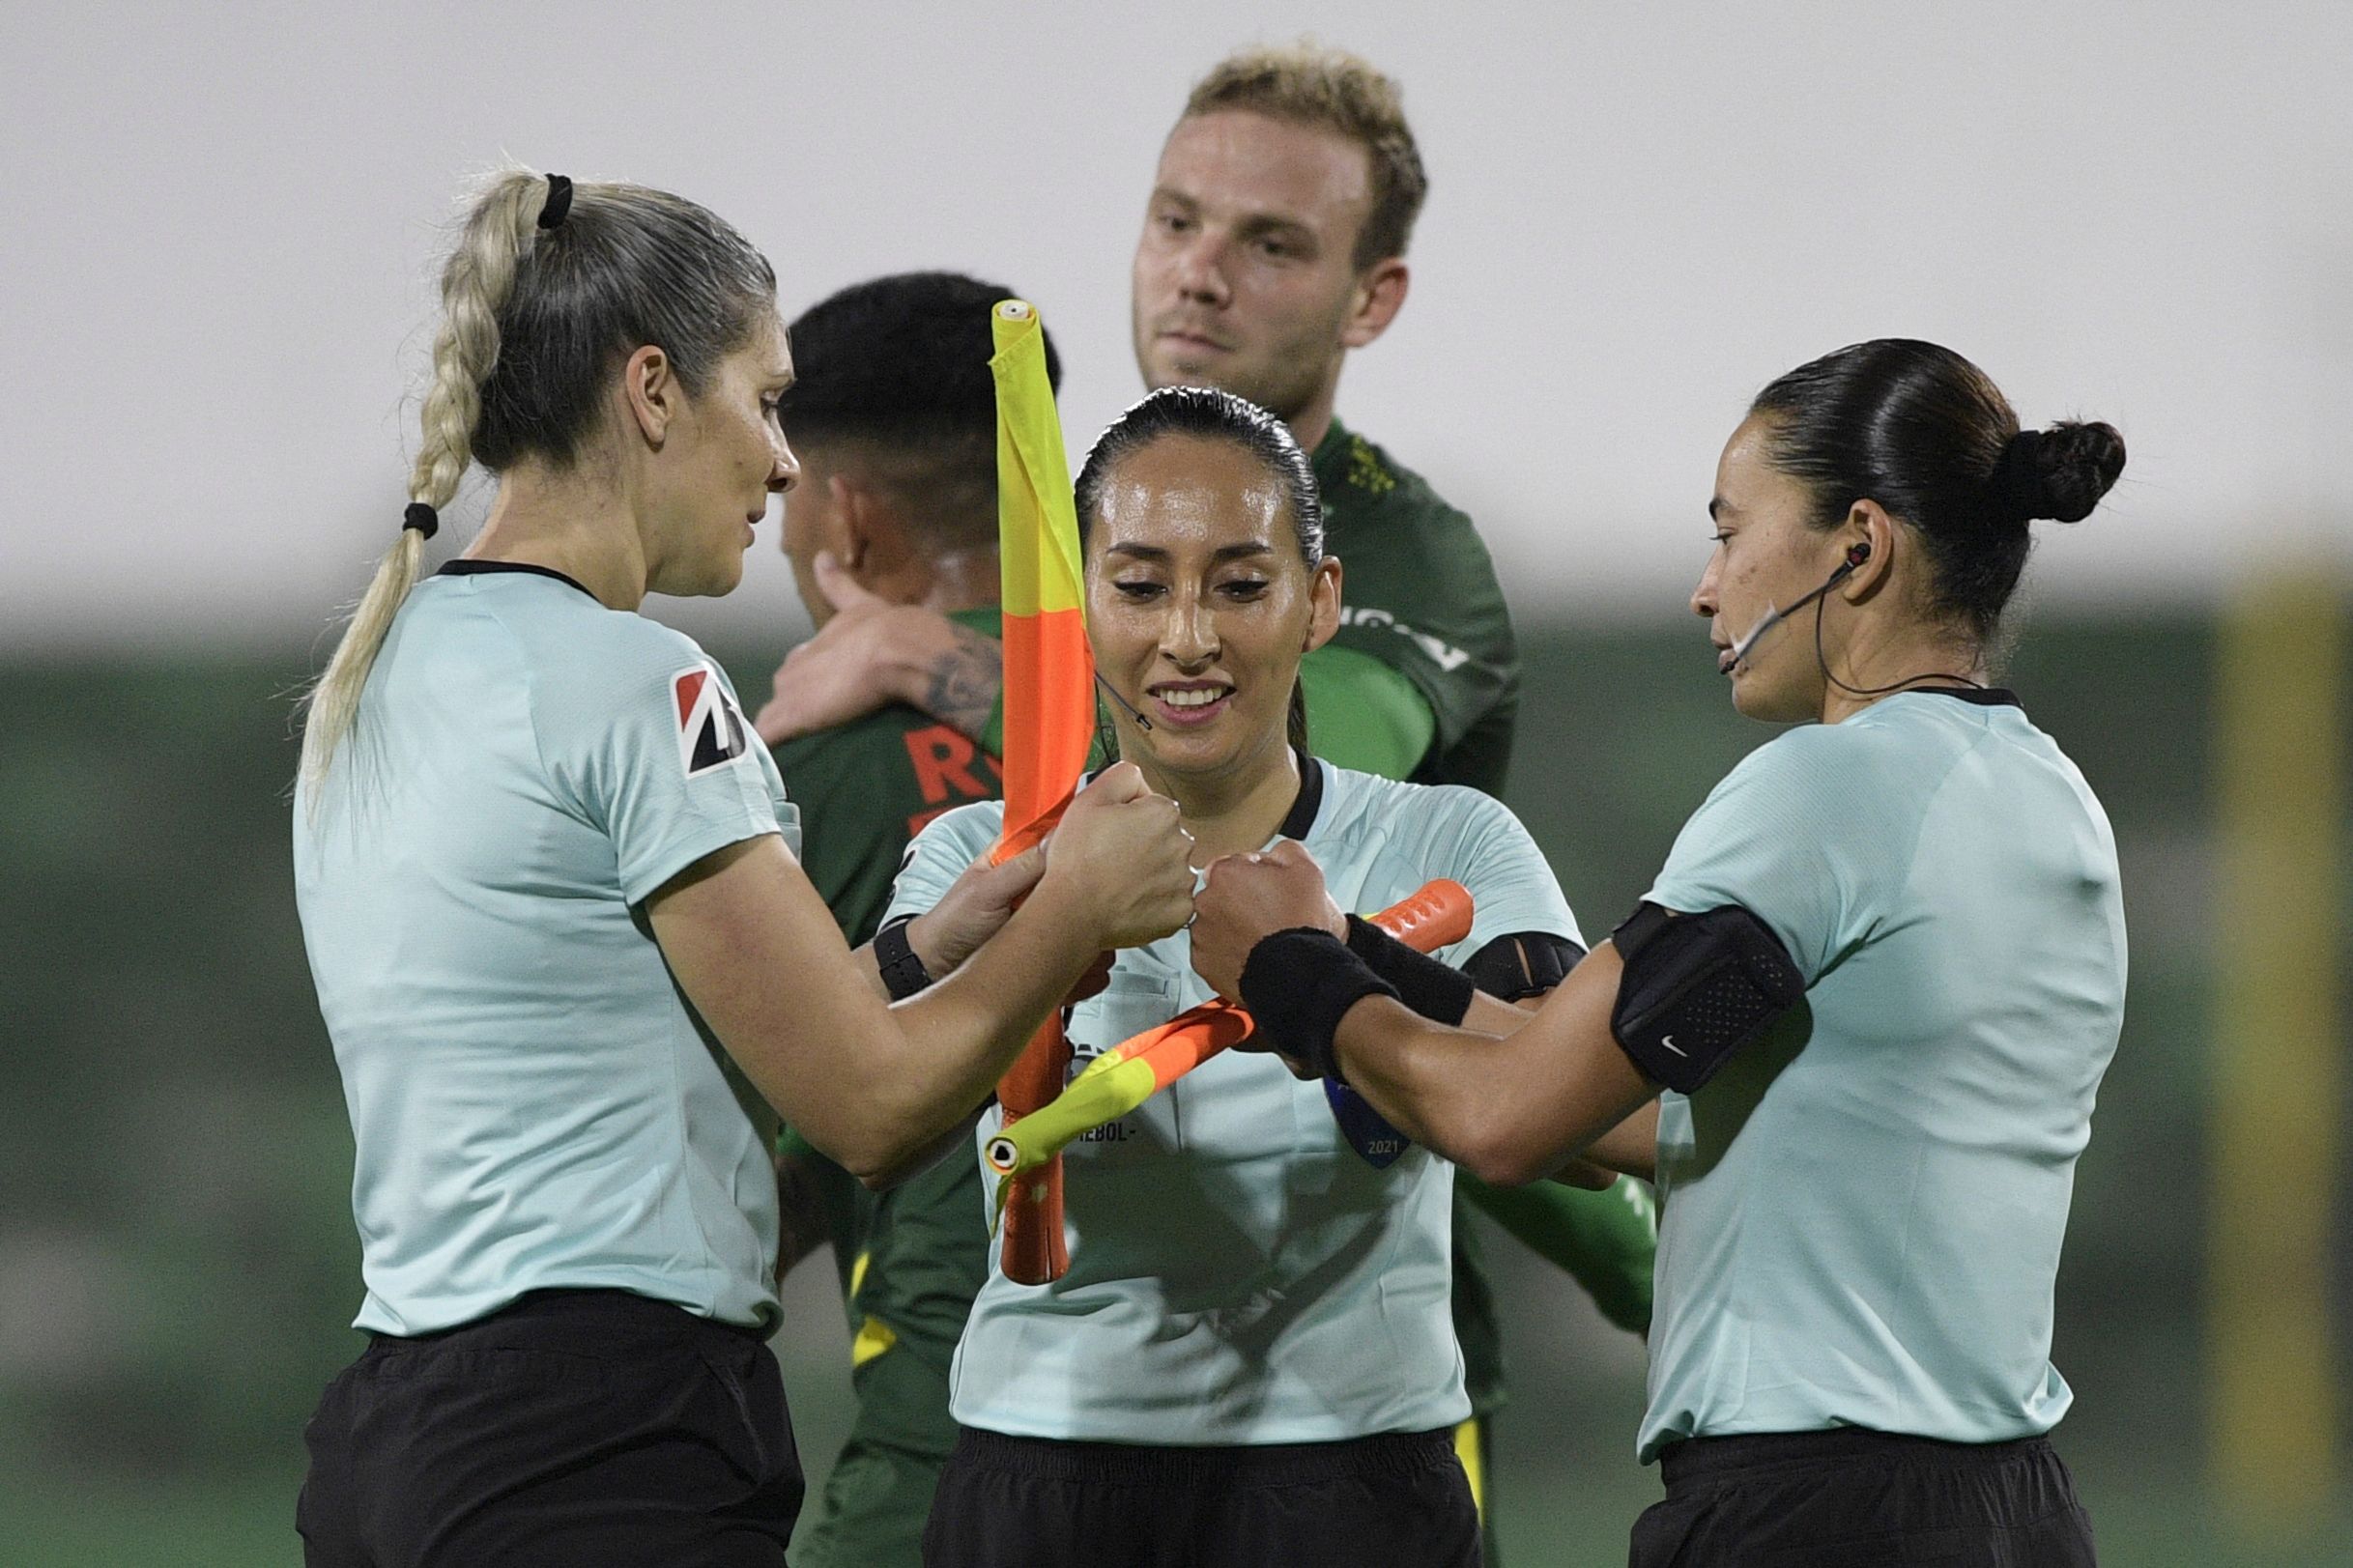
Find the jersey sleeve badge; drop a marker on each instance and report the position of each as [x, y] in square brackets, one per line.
[711, 733]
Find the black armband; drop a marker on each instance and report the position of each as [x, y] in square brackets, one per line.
[1298, 984]
[1523, 964]
[1437, 990]
[1697, 989]
[903, 970]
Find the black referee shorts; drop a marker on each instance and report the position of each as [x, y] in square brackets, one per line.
[574, 1428]
[1392, 1502]
[1852, 1499]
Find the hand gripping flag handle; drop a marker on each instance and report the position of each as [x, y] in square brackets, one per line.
[1130, 1072]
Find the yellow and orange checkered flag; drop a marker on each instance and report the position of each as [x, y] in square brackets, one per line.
[1049, 716]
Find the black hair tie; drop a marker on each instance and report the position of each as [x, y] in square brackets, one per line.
[559, 201]
[2016, 479]
[422, 518]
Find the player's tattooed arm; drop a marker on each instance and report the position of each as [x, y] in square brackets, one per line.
[871, 653]
[963, 682]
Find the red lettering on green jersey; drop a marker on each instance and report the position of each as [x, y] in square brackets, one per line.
[943, 761]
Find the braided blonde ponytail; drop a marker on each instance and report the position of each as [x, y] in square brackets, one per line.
[627, 265]
[475, 285]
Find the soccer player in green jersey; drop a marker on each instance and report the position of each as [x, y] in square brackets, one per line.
[1273, 244]
[1877, 980]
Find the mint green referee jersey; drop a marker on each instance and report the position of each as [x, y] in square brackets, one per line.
[1238, 1274]
[534, 1103]
[1861, 1216]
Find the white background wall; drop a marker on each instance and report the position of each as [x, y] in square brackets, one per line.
[219, 225]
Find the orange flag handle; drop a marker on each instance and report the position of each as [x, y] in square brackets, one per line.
[1436, 915]
[1439, 914]
[1035, 1250]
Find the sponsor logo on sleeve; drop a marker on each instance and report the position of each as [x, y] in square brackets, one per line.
[711, 733]
[1445, 655]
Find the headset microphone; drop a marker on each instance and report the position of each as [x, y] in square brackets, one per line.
[1125, 706]
[1856, 554]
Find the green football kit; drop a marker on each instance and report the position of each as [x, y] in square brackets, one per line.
[1418, 602]
[1420, 683]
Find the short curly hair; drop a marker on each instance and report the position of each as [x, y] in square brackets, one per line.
[1310, 85]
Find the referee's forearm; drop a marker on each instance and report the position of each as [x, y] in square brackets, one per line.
[1511, 1110]
[956, 1039]
[756, 951]
[1427, 1080]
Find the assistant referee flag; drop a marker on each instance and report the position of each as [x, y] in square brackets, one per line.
[1049, 714]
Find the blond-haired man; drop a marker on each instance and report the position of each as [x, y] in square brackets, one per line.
[1273, 245]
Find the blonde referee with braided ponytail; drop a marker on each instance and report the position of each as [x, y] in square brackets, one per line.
[564, 948]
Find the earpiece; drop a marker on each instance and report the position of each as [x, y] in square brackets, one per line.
[1857, 553]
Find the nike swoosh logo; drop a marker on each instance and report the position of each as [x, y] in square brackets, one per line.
[1668, 1041]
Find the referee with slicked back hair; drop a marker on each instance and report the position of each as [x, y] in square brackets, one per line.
[893, 417]
[1878, 980]
[1273, 246]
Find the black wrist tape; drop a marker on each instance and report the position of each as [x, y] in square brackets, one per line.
[1438, 991]
[895, 956]
[1298, 984]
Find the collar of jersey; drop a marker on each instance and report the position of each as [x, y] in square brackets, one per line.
[1984, 697]
[1328, 453]
[484, 568]
[1299, 820]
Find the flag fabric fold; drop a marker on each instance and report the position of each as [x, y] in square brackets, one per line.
[1049, 715]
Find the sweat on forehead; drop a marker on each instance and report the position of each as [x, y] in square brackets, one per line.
[1205, 415]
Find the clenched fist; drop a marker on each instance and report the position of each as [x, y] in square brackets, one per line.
[1121, 854]
[1253, 897]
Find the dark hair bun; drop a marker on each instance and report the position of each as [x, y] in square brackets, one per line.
[2061, 473]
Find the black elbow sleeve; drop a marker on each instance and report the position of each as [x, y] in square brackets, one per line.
[1697, 989]
[1523, 964]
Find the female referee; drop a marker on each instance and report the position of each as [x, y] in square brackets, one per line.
[1879, 978]
[1251, 1359]
[547, 887]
